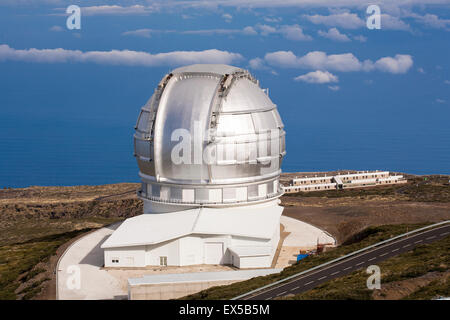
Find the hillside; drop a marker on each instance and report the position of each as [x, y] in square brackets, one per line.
[37, 223]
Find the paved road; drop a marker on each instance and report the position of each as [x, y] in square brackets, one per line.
[309, 281]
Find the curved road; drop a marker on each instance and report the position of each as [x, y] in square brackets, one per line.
[309, 281]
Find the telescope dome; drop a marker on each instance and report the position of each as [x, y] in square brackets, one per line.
[209, 135]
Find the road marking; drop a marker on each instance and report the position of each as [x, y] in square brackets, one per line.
[268, 298]
[294, 288]
[335, 273]
[372, 259]
[322, 278]
[384, 254]
[308, 283]
[360, 263]
[406, 245]
[418, 241]
[429, 238]
[394, 250]
[443, 234]
[281, 293]
[348, 268]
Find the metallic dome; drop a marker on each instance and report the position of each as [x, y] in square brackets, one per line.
[238, 158]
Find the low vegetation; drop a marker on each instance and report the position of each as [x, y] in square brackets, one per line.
[18, 260]
[367, 237]
[402, 277]
[36, 221]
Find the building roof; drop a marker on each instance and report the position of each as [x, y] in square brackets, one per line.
[201, 276]
[248, 221]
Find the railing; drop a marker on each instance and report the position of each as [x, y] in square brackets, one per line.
[144, 196]
[339, 259]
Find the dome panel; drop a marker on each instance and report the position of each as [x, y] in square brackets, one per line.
[246, 96]
[234, 125]
[184, 105]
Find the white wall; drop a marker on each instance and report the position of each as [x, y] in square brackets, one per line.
[128, 257]
[255, 262]
[169, 249]
[191, 250]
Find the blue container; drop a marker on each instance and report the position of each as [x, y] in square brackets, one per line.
[301, 257]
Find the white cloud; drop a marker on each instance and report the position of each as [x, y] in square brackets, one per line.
[290, 32]
[259, 3]
[440, 101]
[118, 57]
[401, 63]
[317, 77]
[334, 88]
[447, 81]
[273, 19]
[334, 34]
[56, 29]
[315, 60]
[344, 20]
[228, 17]
[360, 38]
[257, 64]
[246, 31]
[116, 10]
[144, 33]
[265, 30]
[347, 20]
[345, 62]
[249, 30]
[433, 21]
[393, 23]
[420, 70]
[294, 32]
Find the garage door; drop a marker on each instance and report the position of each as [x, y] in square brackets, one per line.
[213, 252]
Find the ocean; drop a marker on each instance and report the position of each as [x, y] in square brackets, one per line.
[50, 152]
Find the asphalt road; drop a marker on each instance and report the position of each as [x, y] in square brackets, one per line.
[310, 280]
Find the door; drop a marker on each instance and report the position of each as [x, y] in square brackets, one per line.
[213, 252]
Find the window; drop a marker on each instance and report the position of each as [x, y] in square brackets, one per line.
[163, 261]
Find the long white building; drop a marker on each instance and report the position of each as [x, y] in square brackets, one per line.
[212, 200]
[343, 181]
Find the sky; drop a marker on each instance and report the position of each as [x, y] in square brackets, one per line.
[350, 97]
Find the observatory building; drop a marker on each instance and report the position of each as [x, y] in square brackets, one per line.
[209, 145]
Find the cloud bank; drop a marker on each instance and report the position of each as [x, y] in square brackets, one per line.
[345, 62]
[118, 57]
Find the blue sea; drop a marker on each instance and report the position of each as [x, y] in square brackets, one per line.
[39, 152]
[52, 133]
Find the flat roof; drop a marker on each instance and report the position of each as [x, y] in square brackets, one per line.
[201, 276]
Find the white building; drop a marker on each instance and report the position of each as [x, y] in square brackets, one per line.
[207, 200]
[343, 181]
